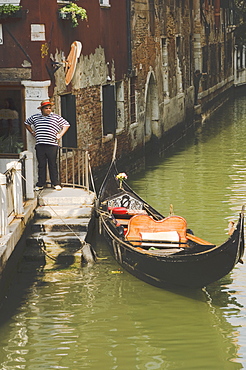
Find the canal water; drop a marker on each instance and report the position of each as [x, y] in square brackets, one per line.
[101, 317]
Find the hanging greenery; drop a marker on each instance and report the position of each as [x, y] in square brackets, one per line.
[9, 9]
[74, 12]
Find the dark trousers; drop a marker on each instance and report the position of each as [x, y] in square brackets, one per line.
[47, 154]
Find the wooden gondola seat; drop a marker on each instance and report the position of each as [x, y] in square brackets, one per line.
[139, 225]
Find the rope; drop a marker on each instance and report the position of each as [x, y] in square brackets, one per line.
[102, 213]
[69, 228]
[158, 217]
[43, 249]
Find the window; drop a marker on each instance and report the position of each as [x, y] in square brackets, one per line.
[164, 50]
[179, 66]
[15, 2]
[152, 17]
[104, 2]
[12, 132]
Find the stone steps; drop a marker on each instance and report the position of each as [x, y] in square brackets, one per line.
[65, 239]
[75, 211]
[62, 226]
[59, 228]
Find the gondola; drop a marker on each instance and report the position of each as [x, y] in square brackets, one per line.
[160, 250]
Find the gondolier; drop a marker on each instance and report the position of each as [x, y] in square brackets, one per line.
[197, 77]
[47, 128]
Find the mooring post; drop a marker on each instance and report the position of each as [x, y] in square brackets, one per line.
[3, 205]
[29, 173]
[17, 187]
[86, 171]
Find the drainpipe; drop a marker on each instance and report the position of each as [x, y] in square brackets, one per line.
[129, 39]
[206, 5]
[217, 14]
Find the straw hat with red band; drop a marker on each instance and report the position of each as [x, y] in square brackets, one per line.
[44, 103]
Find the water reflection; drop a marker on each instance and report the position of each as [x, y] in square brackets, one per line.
[203, 176]
[100, 318]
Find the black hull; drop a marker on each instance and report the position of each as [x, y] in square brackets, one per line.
[193, 267]
[191, 270]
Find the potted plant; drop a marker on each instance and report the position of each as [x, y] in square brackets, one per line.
[73, 12]
[9, 10]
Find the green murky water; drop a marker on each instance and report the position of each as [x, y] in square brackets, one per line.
[104, 318]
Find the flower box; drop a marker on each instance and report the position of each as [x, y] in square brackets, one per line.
[16, 15]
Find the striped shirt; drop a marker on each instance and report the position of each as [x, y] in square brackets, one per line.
[46, 127]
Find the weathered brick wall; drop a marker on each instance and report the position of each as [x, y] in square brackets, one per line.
[172, 22]
[89, 128]
[216, 44]
[178, 23]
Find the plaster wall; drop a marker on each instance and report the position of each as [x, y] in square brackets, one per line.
[91, 70]
[174, 112]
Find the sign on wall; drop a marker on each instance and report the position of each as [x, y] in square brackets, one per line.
[37, 32]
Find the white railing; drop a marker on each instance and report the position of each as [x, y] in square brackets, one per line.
[16, 186]
[17, 182]
[74, 167]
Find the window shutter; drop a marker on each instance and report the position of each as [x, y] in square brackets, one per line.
[109, 110]
[68, 111]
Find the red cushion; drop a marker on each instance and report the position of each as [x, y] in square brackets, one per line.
[118, 210]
